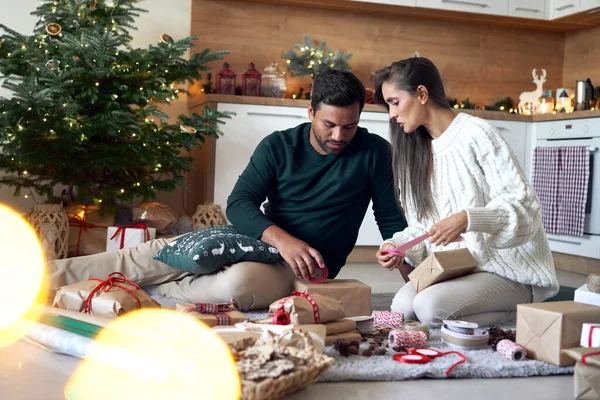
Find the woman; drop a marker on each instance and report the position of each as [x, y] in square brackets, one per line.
[455, 175]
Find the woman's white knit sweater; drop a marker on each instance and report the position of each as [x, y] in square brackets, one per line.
[476, 171]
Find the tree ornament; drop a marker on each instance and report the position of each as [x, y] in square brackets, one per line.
[166, 39]
[53, 29]
[92, 4]
[52, 64]
[188, 129]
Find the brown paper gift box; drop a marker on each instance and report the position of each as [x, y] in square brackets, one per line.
[345, 337]
[112, 303]
[340, 326]
[354, 295]
[544, 329]
[302, 313]
[587, 376]
[211, 320]
[441, 266]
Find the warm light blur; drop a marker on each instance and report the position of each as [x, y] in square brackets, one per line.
[156, 354]
[22, 271]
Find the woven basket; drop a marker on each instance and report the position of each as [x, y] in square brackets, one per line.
[207, 215]
[299, 378]
[52, 226]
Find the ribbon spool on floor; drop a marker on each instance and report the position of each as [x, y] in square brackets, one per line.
[414, 326]
[464, 335]
[400, 340]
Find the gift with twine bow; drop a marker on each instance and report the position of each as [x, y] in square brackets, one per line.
[122, 236]
[213, 314]
[306, 308]
[587, 372]
[110, 297]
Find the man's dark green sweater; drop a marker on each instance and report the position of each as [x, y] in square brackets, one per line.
[320, 199]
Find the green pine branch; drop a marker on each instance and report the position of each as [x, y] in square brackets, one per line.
[308, 59]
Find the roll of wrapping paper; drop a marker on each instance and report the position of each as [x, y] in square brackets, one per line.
[475, 341]
[511, 350]
[387, 319]
[413, 326]
[401, 340]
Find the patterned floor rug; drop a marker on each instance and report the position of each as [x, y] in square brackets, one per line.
[480, 363]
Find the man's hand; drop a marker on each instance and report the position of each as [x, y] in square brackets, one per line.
[303, 259]
[448, 230]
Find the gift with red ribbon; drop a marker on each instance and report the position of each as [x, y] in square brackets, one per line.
[108, 297]
[586, 379]
[87, 229]
[124, 236]
[590, 335]
[306, 308]
[213, 314]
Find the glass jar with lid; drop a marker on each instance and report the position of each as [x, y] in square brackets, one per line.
[273, 82]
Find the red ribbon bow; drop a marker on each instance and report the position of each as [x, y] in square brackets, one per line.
[279, 318]
[122, 228]
[218, 310]
[113, 280]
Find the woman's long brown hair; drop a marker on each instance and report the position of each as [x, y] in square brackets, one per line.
[412, 158]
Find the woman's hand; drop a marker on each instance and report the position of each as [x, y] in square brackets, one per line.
[449, 229]
[389, 261]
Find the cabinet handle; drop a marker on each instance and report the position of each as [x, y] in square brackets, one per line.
[562, 8]
[533, 10]
[500, 128]
[262, 114]
[466, 3]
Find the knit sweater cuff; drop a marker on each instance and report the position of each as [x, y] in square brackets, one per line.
[482, 219]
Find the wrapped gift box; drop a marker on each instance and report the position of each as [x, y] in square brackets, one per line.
[302, 312]
[123, 296]
[127, 236]
[441, 266]
[544, 329]
[585, 295]
[586, 378]
[354, 295]
[213, 314]
[590, 335]
[340, 326]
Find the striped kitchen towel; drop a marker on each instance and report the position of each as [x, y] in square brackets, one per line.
[546, 164]
[573, 179]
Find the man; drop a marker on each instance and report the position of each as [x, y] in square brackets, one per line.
[318, 178]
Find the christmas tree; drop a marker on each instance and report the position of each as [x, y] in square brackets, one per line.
[83, 113]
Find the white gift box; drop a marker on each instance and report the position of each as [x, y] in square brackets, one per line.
[584, 295]
[133, 237]
[590, 335]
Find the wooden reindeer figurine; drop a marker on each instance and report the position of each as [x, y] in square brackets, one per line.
[532, 97]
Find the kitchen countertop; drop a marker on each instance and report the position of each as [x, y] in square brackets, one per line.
[493, 115]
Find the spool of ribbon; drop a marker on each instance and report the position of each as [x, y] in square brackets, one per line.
[364, 324]
[316, 314]
[121, 231]
[387, 319]
[113, 280]
[467, 328]
[413, 326]
[320, 276]
[216, 309]
[400, 251]
[593, 283]
[400, 340]
[479, 339]
[511, 350]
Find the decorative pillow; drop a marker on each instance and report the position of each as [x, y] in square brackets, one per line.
[205, 251]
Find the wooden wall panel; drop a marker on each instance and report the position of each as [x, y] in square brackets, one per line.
[582, 57]
[482, 63]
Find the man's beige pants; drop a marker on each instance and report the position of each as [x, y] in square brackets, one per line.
[251, 285]
[483, 298]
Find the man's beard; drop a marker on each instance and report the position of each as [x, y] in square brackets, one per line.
[323, 144]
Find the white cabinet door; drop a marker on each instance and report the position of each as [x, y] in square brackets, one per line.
[589, 4]
[369, 234]
[527, 8]
[391, 2]
[496, 7]
[242, 134]
[562, 8]
[515, 135]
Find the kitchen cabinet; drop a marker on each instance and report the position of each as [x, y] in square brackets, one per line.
[562, 8]
[495, 7]
[527, 8]
[515, 135]
[589, 4]
[408, 3]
